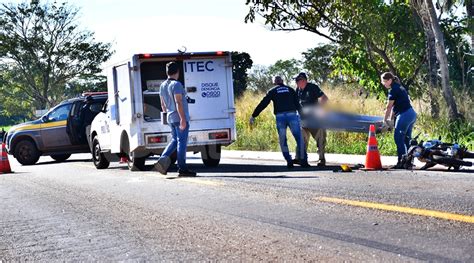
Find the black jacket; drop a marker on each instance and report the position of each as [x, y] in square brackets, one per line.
[284, 100]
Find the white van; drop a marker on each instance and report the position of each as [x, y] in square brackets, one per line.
[130, 123]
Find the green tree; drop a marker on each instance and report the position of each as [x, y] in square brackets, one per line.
[285, 69]
[318, 61]
[260, 78]
[43, 45]
[373, 36]
[241, 62]
[460, 60]
[14, 104]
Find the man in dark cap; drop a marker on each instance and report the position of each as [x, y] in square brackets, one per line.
[285, 108]
[310, 95]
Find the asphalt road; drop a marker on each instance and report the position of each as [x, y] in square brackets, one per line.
[243, 210]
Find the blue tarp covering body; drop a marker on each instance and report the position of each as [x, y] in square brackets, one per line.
[341, 121]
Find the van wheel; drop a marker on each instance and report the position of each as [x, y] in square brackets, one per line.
[60, 157]
[100, 162]
[211, 155]
[136, 163]
[26, 152]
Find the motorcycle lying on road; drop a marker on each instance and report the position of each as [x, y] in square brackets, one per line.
[435, 152]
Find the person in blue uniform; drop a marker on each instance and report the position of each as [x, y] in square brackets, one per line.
[286, 109]
[399, 106]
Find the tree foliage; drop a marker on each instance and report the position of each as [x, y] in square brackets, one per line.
[318, 61]
[260, 78]
[373, 36]
[43, 49]
[285, 69]
[241, 62]
[461, 61]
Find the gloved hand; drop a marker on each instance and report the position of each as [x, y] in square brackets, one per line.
[252, 120]
[387, 125]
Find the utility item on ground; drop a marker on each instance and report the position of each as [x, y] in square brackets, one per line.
[59, 133]
[4, 163]
[435, 152]
[131, 123]
[372, 158]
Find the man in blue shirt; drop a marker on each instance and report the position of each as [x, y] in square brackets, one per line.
[174, 102]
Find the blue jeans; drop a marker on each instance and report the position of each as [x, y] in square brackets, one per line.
[403, 129]
[179, 142]
[292, 120]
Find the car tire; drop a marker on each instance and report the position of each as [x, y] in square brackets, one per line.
[26, 152]
[100, 162]
[211, 155]
[60, 157]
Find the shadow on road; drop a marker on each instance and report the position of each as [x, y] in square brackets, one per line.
[67, 161]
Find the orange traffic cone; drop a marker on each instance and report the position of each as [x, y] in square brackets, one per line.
[372, 159]
[4, 163]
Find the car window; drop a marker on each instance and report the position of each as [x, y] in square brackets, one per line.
[95, 107]
[60, 113]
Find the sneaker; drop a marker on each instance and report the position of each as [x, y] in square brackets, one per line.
[186, 173]
[322, 163]
[296, 161]
[290, 165]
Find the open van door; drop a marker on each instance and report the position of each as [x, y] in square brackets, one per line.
[123, 95]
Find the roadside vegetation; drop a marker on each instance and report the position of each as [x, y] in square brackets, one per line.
[262, 136]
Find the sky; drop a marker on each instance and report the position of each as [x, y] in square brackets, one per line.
[157, 26]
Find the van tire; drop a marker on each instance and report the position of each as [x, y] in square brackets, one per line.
[211, 155]
[60, 157]
[136, 163]
[26, 152]
[99, 159]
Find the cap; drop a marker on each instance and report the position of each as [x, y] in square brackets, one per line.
[300, 75]
[277, 80]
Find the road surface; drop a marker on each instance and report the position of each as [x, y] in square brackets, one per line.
[244, 210]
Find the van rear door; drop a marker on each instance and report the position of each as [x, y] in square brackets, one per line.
[123, 95]
[206, 82]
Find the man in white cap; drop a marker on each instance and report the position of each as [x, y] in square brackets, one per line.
[286, 108]
[310, 95]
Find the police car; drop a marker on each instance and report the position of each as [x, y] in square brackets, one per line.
[59, 133]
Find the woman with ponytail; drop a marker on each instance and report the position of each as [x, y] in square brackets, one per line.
[399, 106]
